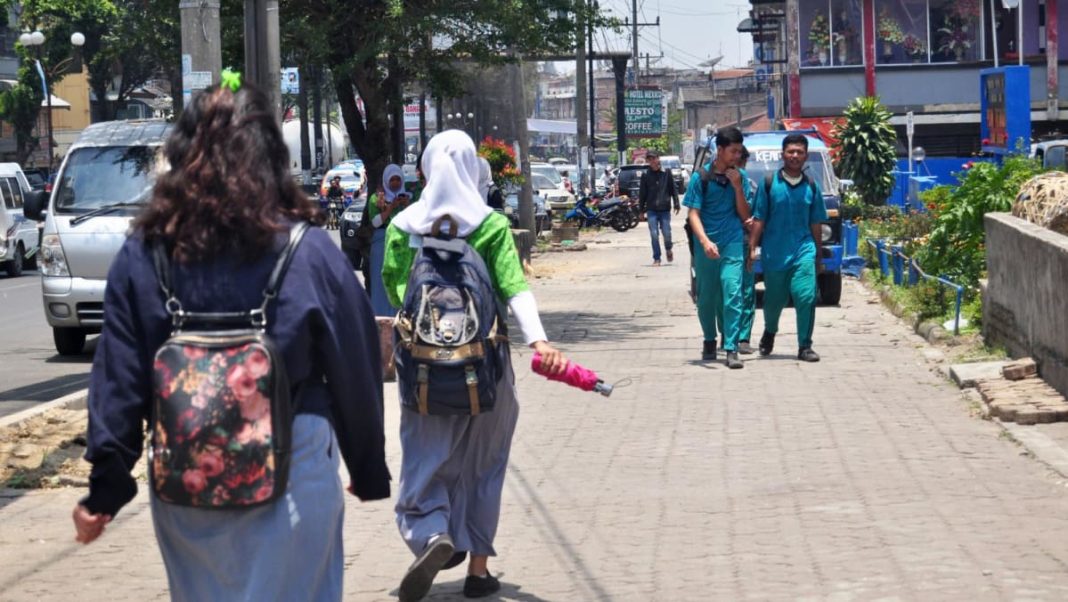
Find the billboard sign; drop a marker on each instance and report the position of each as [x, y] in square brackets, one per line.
[643, 113]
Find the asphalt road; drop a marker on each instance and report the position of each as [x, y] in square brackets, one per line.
[31, 371]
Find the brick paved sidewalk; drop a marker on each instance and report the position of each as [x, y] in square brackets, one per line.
[861, 477]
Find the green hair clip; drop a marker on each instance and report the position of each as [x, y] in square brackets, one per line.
[230, 79]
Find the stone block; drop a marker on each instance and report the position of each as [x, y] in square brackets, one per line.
[1020, 369]
[969, 375]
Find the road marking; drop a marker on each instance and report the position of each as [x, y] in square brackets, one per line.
[12, 288]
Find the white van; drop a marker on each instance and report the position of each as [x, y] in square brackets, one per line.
[18, 235]
[105, 180]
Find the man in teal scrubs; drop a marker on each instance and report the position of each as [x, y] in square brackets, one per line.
[748, 277]
[787, 225]
[717, 205]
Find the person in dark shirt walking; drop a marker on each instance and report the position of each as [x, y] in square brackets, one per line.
[223, 213]
[656, 197]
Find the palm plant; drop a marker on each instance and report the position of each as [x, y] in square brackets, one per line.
[865, 149]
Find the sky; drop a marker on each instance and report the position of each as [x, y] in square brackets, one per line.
[690, 32]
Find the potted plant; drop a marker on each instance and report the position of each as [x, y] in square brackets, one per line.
[914, 47]
[502, 162]
[889, 31]
[956, 37]
[820, 37]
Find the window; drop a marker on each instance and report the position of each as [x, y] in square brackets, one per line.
[16, 192]
[901, 32]
[906, 31]
[831, 33]
[9, 201]
[955, 29]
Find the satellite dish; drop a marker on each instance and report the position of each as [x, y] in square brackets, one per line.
[711, 62]
[1010, 4]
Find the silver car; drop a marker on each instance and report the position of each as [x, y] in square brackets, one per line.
[105, 179]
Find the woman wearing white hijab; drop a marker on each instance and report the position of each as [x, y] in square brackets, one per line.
[386, 204]
[453, 467]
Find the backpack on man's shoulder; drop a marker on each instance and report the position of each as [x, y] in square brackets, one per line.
[449, 333]
[221, 413]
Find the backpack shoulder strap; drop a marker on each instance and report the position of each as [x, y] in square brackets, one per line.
[274, 283]
[769, 177]
[162, 264]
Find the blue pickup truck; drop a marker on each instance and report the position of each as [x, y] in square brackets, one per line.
[765, 156]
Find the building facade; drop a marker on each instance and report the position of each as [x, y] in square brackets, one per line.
[922, 56]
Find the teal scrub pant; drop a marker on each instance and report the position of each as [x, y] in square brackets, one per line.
[745, 332]
[798, 282]
[719, 293]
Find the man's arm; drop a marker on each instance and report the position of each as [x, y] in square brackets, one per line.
[643, 191]
[674, 190]
[707, 246]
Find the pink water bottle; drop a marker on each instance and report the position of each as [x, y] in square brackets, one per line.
[574, 375]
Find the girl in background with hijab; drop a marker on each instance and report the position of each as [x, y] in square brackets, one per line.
[486, 186]
[453, 467]
[385, 204]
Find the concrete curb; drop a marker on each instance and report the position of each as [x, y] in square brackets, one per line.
[931, 331]
[75, 401]
[1043, 447]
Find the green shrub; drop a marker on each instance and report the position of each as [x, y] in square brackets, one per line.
[956, 247]
[865, 151]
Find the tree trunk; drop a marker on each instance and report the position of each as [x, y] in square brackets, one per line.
[305, 147]
[371, 141]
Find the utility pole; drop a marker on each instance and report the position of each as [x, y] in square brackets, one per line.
[634, 37]
[317, 118]
[305, 147]
[593, 103]
[201, 45]
[580, 98]
[519, 111]
[263, 60]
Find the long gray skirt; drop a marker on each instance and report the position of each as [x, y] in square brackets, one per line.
[452, 473]
[287, 550]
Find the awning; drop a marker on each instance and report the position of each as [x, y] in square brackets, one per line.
[547, 126]
[57, 102]
[824, 126]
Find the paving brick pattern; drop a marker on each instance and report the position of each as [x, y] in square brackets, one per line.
[861, 477]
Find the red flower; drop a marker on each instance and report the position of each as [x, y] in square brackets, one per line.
[194, 353]
[257, 364]
[194, 481]
[263, 492]
[211, 462]
[254, 406]
[241, 382]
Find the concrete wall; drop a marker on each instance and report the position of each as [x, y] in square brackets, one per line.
[1025, 307]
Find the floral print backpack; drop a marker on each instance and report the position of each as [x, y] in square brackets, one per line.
[221, 414]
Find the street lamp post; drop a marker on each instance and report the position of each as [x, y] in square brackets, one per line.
[36, 40]
[463, 119]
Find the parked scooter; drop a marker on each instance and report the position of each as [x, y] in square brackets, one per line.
[583, 213]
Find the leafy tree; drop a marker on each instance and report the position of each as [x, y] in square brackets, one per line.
[865, 151]
[378, 51]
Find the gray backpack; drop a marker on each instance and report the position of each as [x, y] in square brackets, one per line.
[449, 335]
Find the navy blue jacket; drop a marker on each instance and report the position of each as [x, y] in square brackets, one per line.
[321, 322]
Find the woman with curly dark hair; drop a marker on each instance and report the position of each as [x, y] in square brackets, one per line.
[223, 211]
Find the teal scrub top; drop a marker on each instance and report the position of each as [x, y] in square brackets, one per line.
[788, 216]
[719, 216]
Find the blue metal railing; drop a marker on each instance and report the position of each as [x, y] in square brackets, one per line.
[893, 262]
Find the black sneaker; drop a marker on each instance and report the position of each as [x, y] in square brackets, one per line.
[420, 576]
[745, 348]
[708, 353]
[733, 362]
[457, 559]
[806, 354]
[480, 587]
[767, 343]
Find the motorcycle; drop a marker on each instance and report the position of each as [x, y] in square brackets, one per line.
[616, 213]
[583, 214]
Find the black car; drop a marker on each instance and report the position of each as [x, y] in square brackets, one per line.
[629, 179]
[38, 178]
[350, 224]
